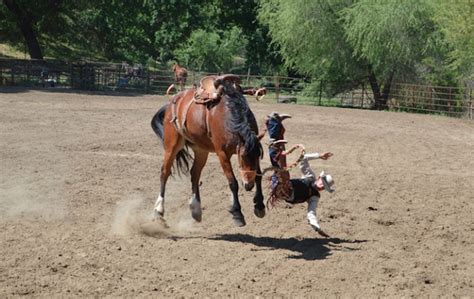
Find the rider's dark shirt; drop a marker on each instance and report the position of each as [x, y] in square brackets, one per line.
[302, 190]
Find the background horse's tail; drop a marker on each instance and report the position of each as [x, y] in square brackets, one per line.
[183, 157]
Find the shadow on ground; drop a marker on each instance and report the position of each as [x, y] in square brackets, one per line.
[308, 248]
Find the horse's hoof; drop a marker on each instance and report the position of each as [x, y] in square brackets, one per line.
[239, 219]
[260, 213]
[160, 221]
[195, 207]
[158, 215]
[239, 222]
[196, 216]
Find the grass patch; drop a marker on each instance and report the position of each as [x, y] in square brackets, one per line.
[8, 51]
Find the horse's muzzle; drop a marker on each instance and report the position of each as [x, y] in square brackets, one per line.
[248, 178]
[249, 186]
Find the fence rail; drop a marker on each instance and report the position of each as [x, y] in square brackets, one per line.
[450, 101]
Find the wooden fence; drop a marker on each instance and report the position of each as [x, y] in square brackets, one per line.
[450, 101]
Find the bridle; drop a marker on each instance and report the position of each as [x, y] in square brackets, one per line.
[245, 174]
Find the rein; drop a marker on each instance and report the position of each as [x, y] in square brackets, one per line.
[292, 165]
[250, 174]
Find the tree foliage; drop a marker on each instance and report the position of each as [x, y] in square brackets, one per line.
[212, 51]
[143, 30]
[390, 34]
[343, 40]
[309, 36]
[456, 23]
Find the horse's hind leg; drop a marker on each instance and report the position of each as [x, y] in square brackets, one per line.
[172, 147]
[200, 159]
[235, 209]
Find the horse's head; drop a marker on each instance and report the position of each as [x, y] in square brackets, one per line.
[240, 121]
[249, 162]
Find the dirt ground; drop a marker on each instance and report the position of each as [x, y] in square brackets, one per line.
[80, 173]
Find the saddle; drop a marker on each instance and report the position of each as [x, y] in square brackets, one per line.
[210, 91]
[211, 88]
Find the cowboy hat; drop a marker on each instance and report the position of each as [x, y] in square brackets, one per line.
[328, 181]
[279, 116]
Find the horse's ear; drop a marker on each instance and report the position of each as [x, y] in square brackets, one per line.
[227, 77]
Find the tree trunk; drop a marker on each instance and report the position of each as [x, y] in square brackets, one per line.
[386, 88]
[380, 99]
[25, 22]
[375, 88]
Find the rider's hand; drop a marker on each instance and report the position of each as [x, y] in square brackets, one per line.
[325, 156]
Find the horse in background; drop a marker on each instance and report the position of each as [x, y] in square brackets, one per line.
[180, 75]
[214, 117]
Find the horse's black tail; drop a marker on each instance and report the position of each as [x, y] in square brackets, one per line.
[157, 122]
[183, 157]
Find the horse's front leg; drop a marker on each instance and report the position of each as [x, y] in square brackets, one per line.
[259, 206]
[235, 209]
[200, 159]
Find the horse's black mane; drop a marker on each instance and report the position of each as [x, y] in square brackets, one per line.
[238, 122]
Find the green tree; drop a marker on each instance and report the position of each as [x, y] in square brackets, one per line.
[344, 41]
[24, 18]
[391, 36]
[140, 31]
[212, 51]
[261, 56]
[455, 19]
[121, 30]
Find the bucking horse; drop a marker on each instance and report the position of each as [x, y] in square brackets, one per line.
[213, 117]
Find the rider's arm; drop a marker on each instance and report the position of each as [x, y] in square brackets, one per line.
[306, 168]
[312, 156]
[323, 156]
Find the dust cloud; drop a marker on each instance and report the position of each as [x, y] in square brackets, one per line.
[22, 199]
[134, 215]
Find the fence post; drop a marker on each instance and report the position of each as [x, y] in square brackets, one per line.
[449, 102]
[363, 92]
[470, 103]
[71, 74]
[320, 91]
[431, 98]
[277, 88]
[81, 82]
[147, 87]
[28, 67]
[248, 77]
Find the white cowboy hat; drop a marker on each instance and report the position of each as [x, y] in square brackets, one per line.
[328, 181]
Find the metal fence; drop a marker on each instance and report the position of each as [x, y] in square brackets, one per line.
[449, 101]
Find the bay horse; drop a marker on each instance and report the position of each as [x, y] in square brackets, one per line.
[214, 117]
[180, 75]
